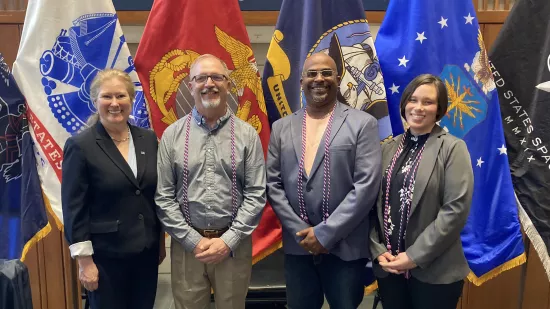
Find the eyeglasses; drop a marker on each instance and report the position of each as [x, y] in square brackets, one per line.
[314, 73]
[202, 78]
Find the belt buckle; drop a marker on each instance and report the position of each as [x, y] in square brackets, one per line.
[210, 233]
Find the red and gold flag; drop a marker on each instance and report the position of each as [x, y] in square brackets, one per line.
[176, 33]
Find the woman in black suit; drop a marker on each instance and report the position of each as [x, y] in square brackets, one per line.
[422, 207]
[108, 187]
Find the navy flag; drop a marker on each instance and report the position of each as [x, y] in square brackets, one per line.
[338, 28]
[521, 68]
[23, 219]
[443, 38]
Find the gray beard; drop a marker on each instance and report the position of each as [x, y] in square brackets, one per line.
[211, 103]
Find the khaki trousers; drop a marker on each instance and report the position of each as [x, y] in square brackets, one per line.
[193, 280]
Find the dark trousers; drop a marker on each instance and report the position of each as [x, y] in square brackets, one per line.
[126, 283]
[311, 278]
[397, 292]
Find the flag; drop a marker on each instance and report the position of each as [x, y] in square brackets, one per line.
[443, 38]
[338, 28]
[176, 33]
[63, 45]
[521, 68]
[23, 219]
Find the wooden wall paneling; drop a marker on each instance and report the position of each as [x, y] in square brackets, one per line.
[54, 269]
[43, 290]
[490, 33]
[465, 295]
[537, 287]
[502, 292]
[9, 42]
[31, 261]
[72, 286]
[507, 4]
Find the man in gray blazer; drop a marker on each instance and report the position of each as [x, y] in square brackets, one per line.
[323, 177]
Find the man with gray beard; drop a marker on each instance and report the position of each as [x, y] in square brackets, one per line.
[210, 193]
[323, 176]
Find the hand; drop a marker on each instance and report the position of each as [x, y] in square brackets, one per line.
[310, 241]
[162, 249]
[216, 252]
[88, 273]
[202, 246]
[400, 264]
[384, 259]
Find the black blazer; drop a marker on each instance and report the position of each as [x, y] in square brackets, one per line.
[102, 200]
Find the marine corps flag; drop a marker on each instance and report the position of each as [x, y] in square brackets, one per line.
[521, 68]
[176, 33]
[443, 38]
[23, 219]
[338, 28]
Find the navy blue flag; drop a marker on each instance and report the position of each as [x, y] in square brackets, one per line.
[443, 38]
[338, 28]
[23, 219]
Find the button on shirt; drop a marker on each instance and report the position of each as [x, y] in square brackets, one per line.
[209, 182]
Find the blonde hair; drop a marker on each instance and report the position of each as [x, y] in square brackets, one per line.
[98, 81]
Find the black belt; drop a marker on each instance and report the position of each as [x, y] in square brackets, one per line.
[211, 233]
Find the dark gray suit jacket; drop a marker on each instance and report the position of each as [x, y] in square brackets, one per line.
[441, 203]
[355, 158]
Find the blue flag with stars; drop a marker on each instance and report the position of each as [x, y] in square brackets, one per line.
[443, 38]
[23, 219]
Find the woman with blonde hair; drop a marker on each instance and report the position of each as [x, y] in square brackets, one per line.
[108, 187]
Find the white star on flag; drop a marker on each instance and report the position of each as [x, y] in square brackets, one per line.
[403, 61]
[479, 162]
[420, 37]
[502, 149]
[469, 19]
[394, 88]
[443, 22]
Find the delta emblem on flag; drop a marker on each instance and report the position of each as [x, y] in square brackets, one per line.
[64, 44]
[176, 33]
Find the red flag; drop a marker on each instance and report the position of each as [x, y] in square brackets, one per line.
[176, 33]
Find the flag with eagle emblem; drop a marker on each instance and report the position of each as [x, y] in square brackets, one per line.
[444, 39]
[176, 33]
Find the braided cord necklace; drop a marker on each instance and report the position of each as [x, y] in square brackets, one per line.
[185, 179]
[326, 170]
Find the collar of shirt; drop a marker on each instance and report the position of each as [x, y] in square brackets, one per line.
[201, 121]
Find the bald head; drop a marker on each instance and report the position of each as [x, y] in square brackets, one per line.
[208, 57]
[319, 81]
[319, 57]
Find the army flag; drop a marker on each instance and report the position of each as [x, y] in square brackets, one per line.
[176, 33]
[338, 28]
[521, 68]
[443, 38]
[63, 45]
[23, 219]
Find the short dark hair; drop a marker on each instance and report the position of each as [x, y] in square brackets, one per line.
[426, 79]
